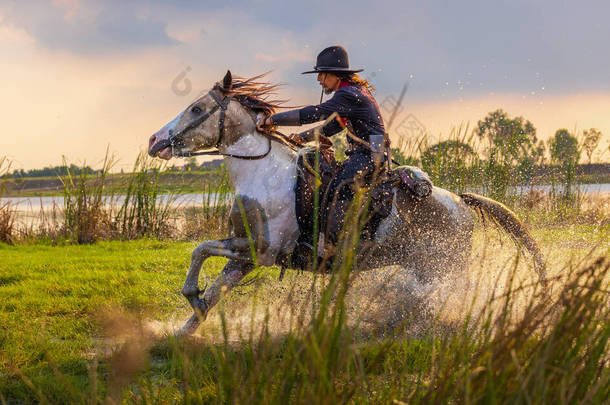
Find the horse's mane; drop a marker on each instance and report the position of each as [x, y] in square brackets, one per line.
[253, 93]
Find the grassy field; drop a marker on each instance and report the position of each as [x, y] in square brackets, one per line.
[89, 323]
[52, 297]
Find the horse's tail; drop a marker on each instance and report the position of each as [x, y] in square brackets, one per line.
[502, 216]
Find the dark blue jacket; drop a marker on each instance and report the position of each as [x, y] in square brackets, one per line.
[353, 103]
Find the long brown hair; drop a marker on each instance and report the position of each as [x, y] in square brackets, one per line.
[353, 78]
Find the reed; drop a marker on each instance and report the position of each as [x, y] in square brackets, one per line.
[48, 227]
[216, 198]
[145, 212]
[211, 220]
[85, 218]
[7, 214]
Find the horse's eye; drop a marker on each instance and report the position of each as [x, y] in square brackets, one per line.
[196, 110]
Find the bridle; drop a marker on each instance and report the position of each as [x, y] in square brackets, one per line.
[221, 104]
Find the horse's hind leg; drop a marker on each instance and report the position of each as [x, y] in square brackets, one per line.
[236, 249]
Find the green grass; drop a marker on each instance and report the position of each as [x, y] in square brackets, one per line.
[71, 330]
[51, 296]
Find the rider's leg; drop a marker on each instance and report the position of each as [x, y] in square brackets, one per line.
[341, 192]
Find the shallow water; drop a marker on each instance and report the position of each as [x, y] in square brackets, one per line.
[195, 199]
[25, 204]
[32, 211]
[381, 300]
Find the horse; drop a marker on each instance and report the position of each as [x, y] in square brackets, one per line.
[432, 236]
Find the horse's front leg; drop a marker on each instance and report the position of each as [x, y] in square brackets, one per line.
[236, 249]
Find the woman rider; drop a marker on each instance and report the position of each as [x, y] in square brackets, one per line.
[358, 111]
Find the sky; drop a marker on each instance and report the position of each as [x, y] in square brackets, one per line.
[80, 76]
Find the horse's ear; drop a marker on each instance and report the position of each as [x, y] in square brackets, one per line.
[227, 81]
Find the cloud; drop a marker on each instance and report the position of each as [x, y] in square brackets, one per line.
[452, 48]
[476, 47]
[108, 66]
[287, 57]
[88, 27]
[69, 6]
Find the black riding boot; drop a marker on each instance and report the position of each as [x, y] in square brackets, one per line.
[336, 219]
[341, 192]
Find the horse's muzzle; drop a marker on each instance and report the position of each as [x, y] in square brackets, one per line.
[158, 147]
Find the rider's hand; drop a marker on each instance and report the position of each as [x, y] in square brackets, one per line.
[264, 124]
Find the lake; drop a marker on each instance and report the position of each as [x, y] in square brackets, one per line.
[32, 206]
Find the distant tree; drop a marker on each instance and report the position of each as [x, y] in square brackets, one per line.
[449, 163]
[511, 141]
[448, 153]
[54, 171]
[563, 147]
[590, 141]
[513, 151]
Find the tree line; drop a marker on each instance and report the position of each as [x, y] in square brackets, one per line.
[52, 171]
[499, 153]
[506, 146]
[497, 156]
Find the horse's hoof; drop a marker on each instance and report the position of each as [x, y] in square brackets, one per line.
[201, 309]
[189, 326]
[201, 312]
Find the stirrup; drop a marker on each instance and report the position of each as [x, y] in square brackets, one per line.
[302, 256]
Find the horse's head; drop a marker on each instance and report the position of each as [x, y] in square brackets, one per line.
[213, 120]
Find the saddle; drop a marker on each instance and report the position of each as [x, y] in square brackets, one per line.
[319, 171]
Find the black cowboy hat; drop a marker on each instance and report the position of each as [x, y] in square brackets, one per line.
[333, 60]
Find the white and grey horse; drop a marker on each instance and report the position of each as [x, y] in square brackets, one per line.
[432, 237]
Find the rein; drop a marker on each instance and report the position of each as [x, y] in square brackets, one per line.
[221, 104]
